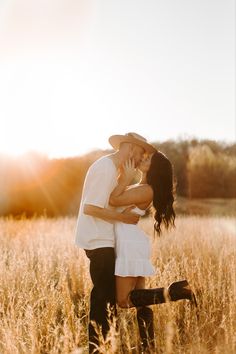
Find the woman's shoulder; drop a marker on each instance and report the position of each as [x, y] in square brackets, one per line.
[143, 188]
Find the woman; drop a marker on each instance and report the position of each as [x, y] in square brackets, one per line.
[132, 244]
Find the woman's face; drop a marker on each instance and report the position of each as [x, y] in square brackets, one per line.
[145, 163]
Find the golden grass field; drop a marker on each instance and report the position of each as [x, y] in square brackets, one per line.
[45, 287]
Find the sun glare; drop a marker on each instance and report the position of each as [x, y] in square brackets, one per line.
[55, 140]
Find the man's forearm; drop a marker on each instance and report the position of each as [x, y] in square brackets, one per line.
[110, 215]
[106, 214]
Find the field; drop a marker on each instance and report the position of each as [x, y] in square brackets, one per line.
[206, 206]
[45, 286]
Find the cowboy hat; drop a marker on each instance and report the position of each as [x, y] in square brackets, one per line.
[133, 138]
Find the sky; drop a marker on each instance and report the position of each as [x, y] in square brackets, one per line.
[74, 72]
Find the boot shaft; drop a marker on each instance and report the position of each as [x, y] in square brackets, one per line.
[146, 297]
[179, 290]
[146, 328]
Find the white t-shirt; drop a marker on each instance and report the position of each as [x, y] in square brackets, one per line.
[99, 182]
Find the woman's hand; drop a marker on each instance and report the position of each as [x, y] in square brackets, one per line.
[128, 172]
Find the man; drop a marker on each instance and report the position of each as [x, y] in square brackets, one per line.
[95, 231]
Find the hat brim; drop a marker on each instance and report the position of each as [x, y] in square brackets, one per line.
[116, 140]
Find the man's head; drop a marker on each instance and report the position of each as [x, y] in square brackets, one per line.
[132, 151]
[131, 145]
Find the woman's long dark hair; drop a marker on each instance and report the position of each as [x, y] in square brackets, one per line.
[160, 178]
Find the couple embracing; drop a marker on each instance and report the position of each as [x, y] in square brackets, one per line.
[118, 250]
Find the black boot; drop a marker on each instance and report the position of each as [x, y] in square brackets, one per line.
[146, 297]
[176, 291]
[181, 290]
[146, 329]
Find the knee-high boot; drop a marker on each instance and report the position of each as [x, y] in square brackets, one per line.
[146, 328]
[176, 291]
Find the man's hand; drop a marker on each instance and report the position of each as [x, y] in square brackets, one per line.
[128, 217]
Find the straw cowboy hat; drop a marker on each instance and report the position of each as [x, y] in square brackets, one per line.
[133, 138]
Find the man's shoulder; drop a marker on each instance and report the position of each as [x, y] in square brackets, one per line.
[102, 162]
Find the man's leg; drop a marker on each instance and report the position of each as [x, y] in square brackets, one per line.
[102, 267]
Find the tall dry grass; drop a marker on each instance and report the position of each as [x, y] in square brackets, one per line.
[45, 284]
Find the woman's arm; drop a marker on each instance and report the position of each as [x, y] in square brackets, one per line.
[138, 194]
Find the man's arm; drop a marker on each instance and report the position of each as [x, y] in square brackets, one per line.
[110, 215]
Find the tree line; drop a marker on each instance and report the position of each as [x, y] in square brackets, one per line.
[36, 185]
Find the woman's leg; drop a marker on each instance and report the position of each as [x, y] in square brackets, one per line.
[145, 322]
[140, 283]
[130, 293]
[179, 290]
[124, 285]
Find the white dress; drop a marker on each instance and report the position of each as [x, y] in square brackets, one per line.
[133, 250]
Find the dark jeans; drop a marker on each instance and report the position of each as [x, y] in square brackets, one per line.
[102, 268]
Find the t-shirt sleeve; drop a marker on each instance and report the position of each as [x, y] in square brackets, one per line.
[99, 188]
